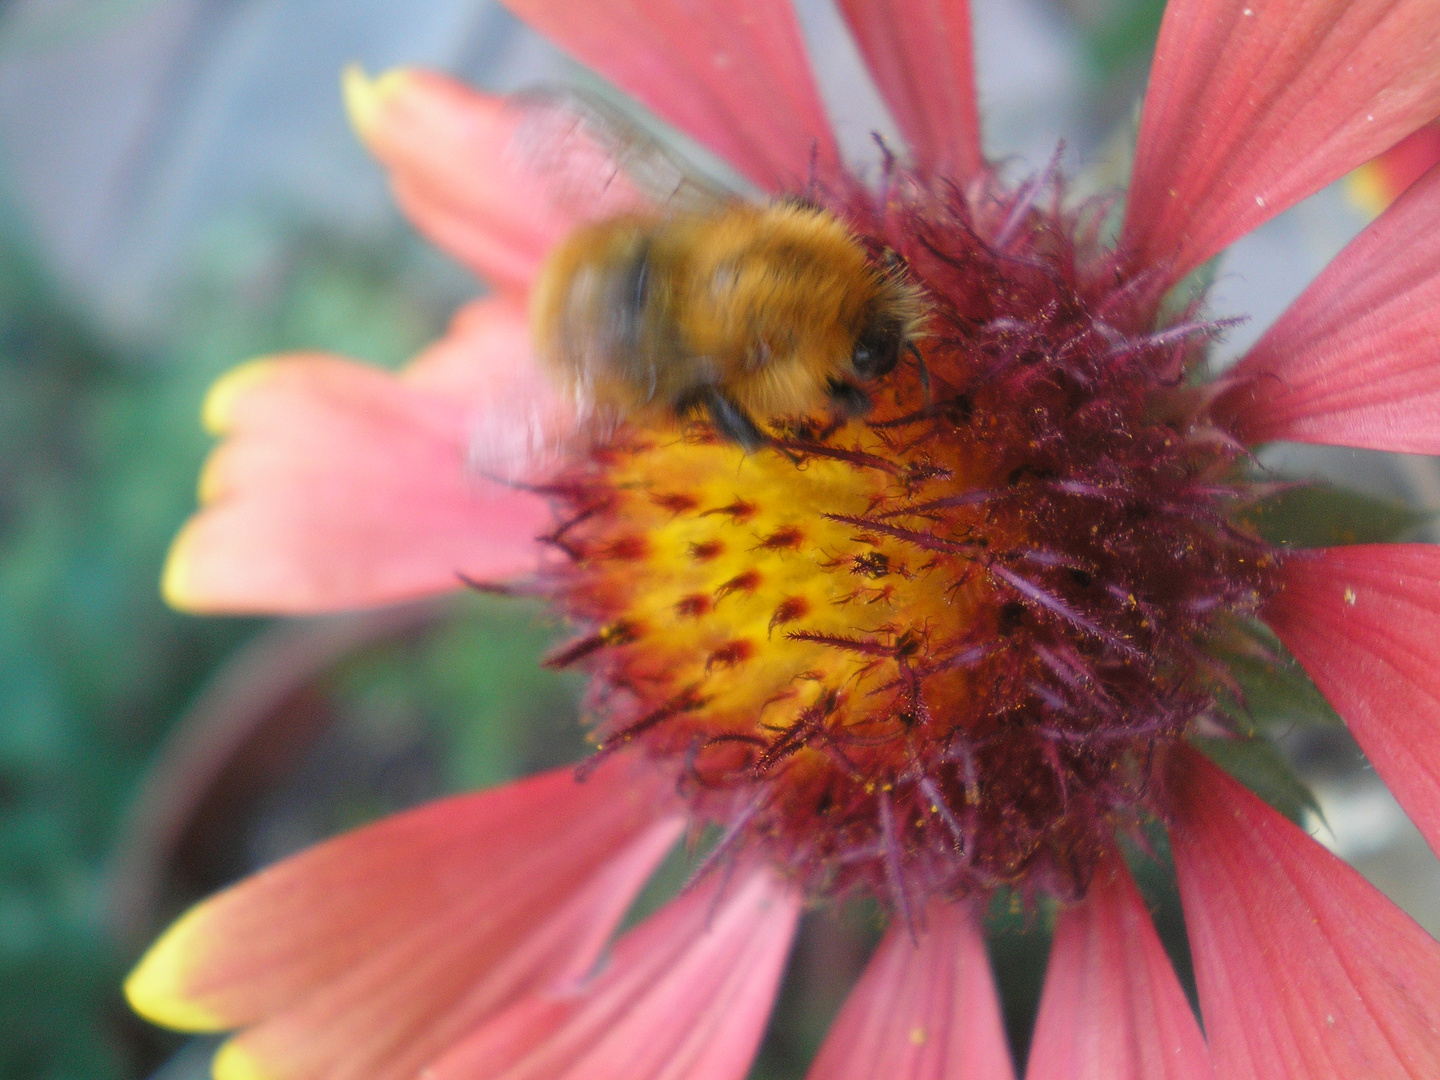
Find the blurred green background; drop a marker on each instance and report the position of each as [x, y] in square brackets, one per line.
[101, 449]
[177, 193]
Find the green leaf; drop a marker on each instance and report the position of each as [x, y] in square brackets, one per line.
[1020, 933]
[1274, 690]
[1257, 764]
[1116, 36]
[1322, 515]
[101, 446]
[1152, 864]
[1185, 298]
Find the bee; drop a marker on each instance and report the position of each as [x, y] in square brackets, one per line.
[724, 309]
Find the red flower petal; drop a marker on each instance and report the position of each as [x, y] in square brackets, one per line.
[420, 996]
[517, 420]
[1363, 621]
[685, 994]
[372, 953]
[1378, 183]
[1354, 360]
[1254, 104]
[339, 486]
[925, 1009]
[460, 175]
[482, 358]
[920, 55]
[735, 76]
[1304, 969]
[1112, 1008]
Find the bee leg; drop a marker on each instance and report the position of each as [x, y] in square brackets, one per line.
[730, 420]
[911, 348]
[849, 398]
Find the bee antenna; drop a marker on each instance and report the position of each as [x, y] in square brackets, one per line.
[914, 350]
[814, 183]
[887, 155]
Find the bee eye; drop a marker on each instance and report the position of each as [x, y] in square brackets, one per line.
[877, 351]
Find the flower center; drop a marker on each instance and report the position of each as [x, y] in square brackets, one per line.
[940, 649]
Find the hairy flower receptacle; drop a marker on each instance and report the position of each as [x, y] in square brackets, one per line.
[942, 649]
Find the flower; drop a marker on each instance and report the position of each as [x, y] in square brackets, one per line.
[1044, 526]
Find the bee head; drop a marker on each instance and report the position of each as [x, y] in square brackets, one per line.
[891, 324]
[877, 349]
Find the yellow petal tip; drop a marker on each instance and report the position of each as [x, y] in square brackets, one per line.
[364, 96]
[175, 578]
[1366, 189]
[156, 988]
[215, 414]
[233, 1062]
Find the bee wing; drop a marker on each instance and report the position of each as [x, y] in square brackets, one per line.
[600, 163]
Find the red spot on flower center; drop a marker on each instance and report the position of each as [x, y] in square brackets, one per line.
[938, 650]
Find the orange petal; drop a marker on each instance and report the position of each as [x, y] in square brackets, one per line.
[518, 422]
[685, 994]
[340, 486]
[378, 950]
[921, 56]
[1379, 182]
[462, 176]
[1304, 968]
[1363, 621]
[1112, 1008]
[415, 998]
[1352, 361]
[734, 76]
[925, 1009]
[1255, 104]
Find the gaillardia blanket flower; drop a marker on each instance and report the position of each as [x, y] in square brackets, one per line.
[966, 643]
